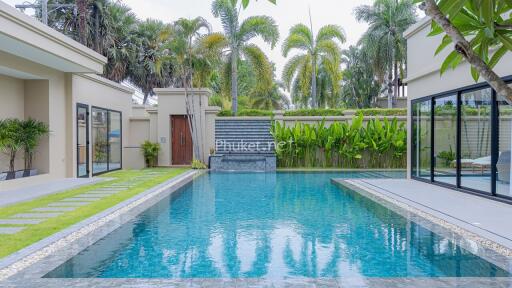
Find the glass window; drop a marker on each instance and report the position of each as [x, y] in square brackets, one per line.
[114, 140]
[445, 139]
[421, 139]
[82, 138]
[99, 140]
[476, 140]
[505, 139]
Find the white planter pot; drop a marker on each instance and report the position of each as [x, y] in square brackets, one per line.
[19, 174]
[3, 176]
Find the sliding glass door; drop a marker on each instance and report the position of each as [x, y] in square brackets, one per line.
[463, 139]
[421, 128]
[106, 140]
[82, 140]
[476, 138]
[445, 139]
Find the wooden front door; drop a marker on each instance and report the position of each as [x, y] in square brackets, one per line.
[181, 143]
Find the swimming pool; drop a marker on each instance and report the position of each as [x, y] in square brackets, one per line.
[274, 226]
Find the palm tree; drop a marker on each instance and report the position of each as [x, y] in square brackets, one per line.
[120, 53]
[193, 54]
[301, 70]
[145, 72]
[238, 36]
[274, 98]
[359, 86]
[388, 20]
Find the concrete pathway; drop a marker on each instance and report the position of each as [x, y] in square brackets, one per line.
[55, 186]
[21, 221]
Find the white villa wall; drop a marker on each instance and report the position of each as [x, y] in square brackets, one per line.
[97, 91]
[423, 69]
[171, 101]
[12, 106]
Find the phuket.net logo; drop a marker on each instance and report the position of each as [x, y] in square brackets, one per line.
[245, 146]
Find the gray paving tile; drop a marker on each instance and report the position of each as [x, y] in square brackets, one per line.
[93, 196]
[110, 189]
[98, 194]
[20, 221]
[11, 230]
[54, 209]
[78, 199]
[69, 204]
[36, 215]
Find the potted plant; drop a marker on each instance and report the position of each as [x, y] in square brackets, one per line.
[10, 142]
[31, 130]
[150, 151]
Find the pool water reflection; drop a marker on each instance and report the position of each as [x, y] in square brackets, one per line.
[275, 226]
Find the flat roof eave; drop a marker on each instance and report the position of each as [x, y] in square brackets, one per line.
[25, 37]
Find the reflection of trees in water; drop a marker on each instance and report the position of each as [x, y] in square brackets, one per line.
[207, 233]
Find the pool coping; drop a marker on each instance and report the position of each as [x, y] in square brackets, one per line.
[36, 260]
[477, 244]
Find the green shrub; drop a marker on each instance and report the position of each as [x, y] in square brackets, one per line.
[378, 144]
[31, 132]
[314, 112]
[11, 140]
[198, 165]
[150, 151]
[382, 112]
[246, 112]
[225, 113]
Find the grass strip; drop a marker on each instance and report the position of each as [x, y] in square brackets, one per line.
[33, 233]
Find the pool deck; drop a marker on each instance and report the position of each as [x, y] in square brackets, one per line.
[14, 196]
[476, 215]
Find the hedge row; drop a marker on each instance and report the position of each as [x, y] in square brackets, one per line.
[318, 112]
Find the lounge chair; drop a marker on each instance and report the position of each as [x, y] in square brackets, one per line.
[503, 167]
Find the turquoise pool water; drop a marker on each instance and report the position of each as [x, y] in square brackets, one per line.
[275, 226]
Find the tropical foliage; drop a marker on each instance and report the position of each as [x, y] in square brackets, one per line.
[376, 144]
[150, 152]
[384, 42]
[480, 32]
[238, 34]
[359, 85]
[31, 131]
[314, 76]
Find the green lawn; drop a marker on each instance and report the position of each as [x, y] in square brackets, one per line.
[34, 233]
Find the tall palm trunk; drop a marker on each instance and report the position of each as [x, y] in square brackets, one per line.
[313, 83]
[390, 85]
[395, 84]
[234, 81]
[82, 20]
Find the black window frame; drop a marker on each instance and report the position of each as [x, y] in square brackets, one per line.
[108, 139]
[87, 141]
[494, 140]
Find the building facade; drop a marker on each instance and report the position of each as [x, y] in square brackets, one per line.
[459, 129]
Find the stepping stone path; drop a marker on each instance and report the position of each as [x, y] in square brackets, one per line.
[11, 230]
[69, 204]
[54, 209]
[36, 215]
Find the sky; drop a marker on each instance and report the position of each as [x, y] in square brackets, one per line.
[286, 13]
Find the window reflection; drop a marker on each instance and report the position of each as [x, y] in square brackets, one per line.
[445, 141]
[504, 136]
[476, 140]
[106, 140]
[421, 139]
